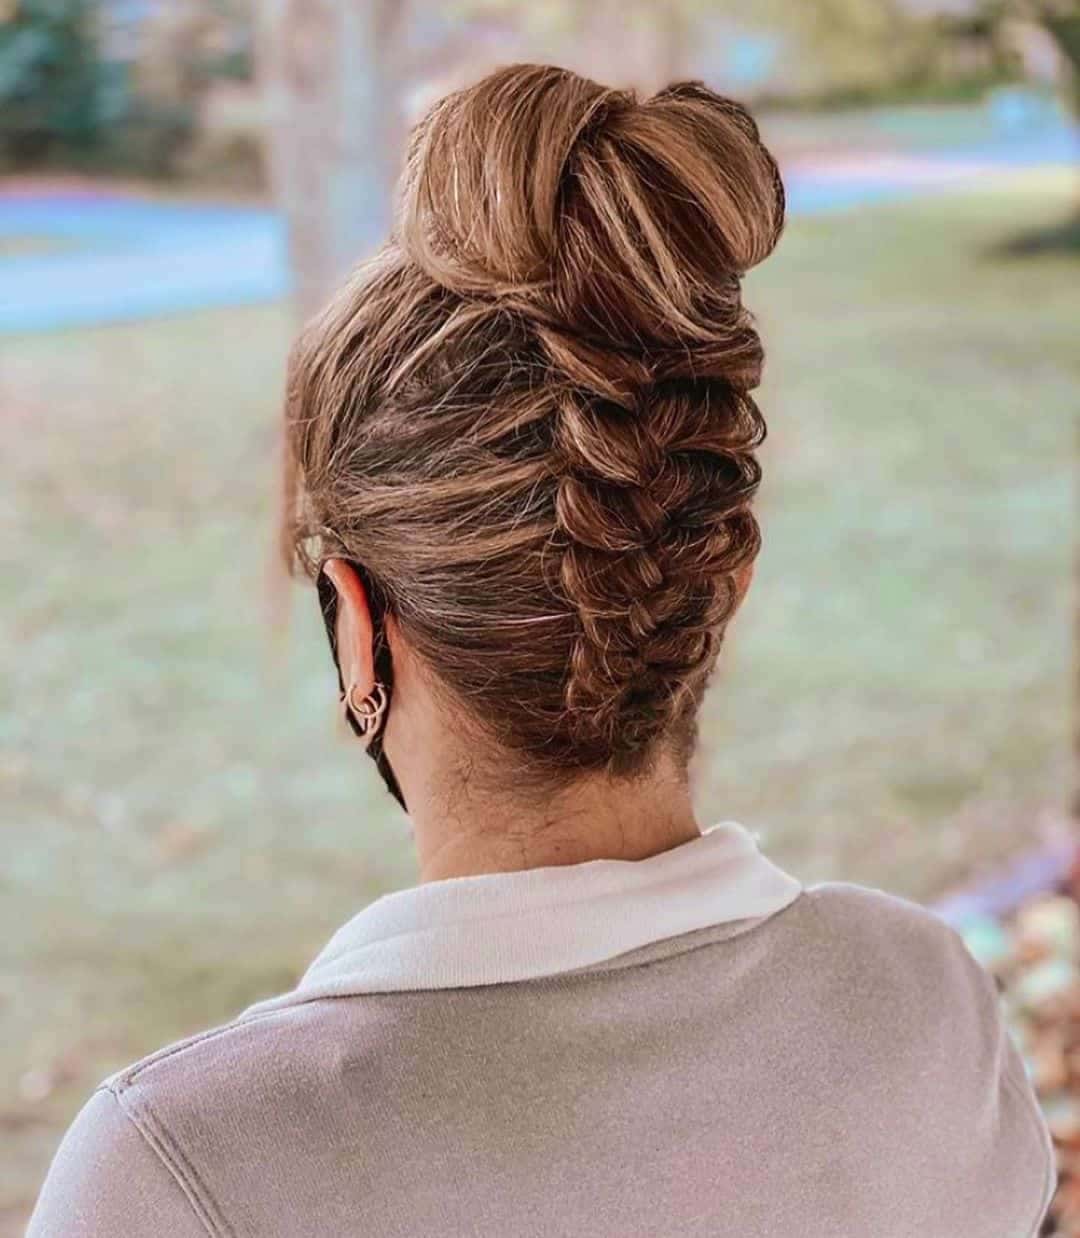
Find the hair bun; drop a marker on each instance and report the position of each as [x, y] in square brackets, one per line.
[530, 419]
[617, 224]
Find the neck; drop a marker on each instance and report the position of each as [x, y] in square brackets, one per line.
[469, 832]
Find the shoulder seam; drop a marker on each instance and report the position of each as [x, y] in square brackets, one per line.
[128, 1074]
[177, 1166]
[123, 1078]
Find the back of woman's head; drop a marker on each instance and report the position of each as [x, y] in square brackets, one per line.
[529, 417]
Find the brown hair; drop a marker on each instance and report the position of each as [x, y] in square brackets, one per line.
[529, 415]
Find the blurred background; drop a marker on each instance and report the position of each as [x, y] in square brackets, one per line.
[184, 824]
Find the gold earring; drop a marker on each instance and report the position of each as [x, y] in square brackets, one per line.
[369, 710]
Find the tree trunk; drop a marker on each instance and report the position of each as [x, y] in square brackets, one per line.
[328, 69]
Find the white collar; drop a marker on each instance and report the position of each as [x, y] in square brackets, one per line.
[496, 927]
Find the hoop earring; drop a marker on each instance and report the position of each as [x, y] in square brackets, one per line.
[369, 710]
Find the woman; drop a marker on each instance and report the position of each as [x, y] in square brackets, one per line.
[521, 446]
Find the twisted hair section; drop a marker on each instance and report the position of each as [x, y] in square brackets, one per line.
[530, 416]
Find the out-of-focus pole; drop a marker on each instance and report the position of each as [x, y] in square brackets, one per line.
[327, 69]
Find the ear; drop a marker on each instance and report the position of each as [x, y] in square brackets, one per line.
[743, 577]
[355, 630]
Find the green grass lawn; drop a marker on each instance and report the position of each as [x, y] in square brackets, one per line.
[184, 826]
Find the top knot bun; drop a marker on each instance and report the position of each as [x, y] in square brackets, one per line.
[616, 224]
[531, 421]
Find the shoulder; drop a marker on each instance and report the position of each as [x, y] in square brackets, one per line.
[107, 1177]
[916, 1020]
[902, 941]
[872, 914]
[894, 968]
[165, 1145]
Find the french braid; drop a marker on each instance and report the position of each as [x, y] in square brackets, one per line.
[531, 416]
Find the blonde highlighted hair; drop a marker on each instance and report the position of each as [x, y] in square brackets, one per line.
[529, 416]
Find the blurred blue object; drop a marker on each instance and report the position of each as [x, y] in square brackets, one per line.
[1015, 110]
[135, 258]
[750, 59]
[987, 940]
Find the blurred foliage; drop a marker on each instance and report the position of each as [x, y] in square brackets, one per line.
[837, 38]
[1065, 30]
[185, 47]
[1059, 18]
[73, 92]
[68, 95]
[189, 44]
[53, 87]
[914, 87]
[824, 53]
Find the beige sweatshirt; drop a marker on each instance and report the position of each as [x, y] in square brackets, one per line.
[691, 1044]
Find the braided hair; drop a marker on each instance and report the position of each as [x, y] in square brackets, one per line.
[530, 415]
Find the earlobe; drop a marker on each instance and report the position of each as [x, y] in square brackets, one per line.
[368, 710]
